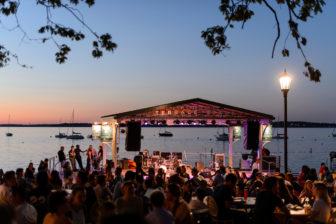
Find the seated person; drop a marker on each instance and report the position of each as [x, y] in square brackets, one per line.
[321, 209]
[223, 195]
[267, 200]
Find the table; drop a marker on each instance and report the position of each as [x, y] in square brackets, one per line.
[296, 216]
[298, 213]
[249, 202]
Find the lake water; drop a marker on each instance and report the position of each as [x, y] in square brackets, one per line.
[309, 146]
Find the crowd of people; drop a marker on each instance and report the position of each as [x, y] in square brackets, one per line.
[78, 195]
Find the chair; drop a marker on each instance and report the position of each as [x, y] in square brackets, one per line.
[178, 155]
[156, 153]
[166, 155]
[202, 217]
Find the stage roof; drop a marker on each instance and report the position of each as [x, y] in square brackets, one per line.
[193, 109]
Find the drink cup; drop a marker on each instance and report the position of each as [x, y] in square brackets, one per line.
[245, 194]
[306, 208]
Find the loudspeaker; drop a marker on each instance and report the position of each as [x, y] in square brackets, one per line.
[133, 136]
[245, 156]
[252, 142]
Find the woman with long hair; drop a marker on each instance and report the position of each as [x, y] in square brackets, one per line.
[320, 213]
[307, 192]
[72, 159]
[303, 175]
[177, 206]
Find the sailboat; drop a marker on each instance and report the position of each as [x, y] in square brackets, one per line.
[222, 137]
[165, 134]
[278, 135]
[74, 135]
[60, 134]
[9, 134]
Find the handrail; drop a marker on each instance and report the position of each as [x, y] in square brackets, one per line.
[52, 164]
[269, 163]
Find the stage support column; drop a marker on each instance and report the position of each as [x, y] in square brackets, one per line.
[230, 146]
[114, 142]
[261, 131]
[104, 155]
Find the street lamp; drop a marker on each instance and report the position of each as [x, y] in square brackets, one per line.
[285, 81]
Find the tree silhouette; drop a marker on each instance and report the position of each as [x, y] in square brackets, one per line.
[55, 31]
[240, 11]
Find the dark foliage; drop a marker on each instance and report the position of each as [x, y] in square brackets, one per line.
[241, 11]
[56, 32]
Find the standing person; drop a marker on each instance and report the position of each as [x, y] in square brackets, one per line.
[79, 157]
[61, 156]
[20, 181]
[29, 174]
[72, 157]
[100, 156]
[322, 171]
[89, 158]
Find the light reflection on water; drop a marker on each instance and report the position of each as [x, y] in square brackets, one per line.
[309, 146]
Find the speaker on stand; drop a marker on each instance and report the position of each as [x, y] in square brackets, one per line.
[133, 136]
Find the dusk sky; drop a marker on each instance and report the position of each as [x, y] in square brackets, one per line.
[161, 58]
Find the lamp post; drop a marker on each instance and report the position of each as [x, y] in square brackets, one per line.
[285, 81]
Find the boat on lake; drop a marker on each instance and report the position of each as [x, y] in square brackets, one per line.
[166, 134]
[279, 136]
[222, 137]
[61, 135]
[9, 134]
[74, 135]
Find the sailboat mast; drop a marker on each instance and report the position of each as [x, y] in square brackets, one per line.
[73, 119]
[8, 123]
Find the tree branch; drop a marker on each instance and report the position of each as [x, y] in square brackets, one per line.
[277, 24]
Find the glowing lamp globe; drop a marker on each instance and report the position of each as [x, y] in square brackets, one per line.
[285, 81]
[96, 130]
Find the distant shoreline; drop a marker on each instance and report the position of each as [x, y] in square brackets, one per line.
[276, 124]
